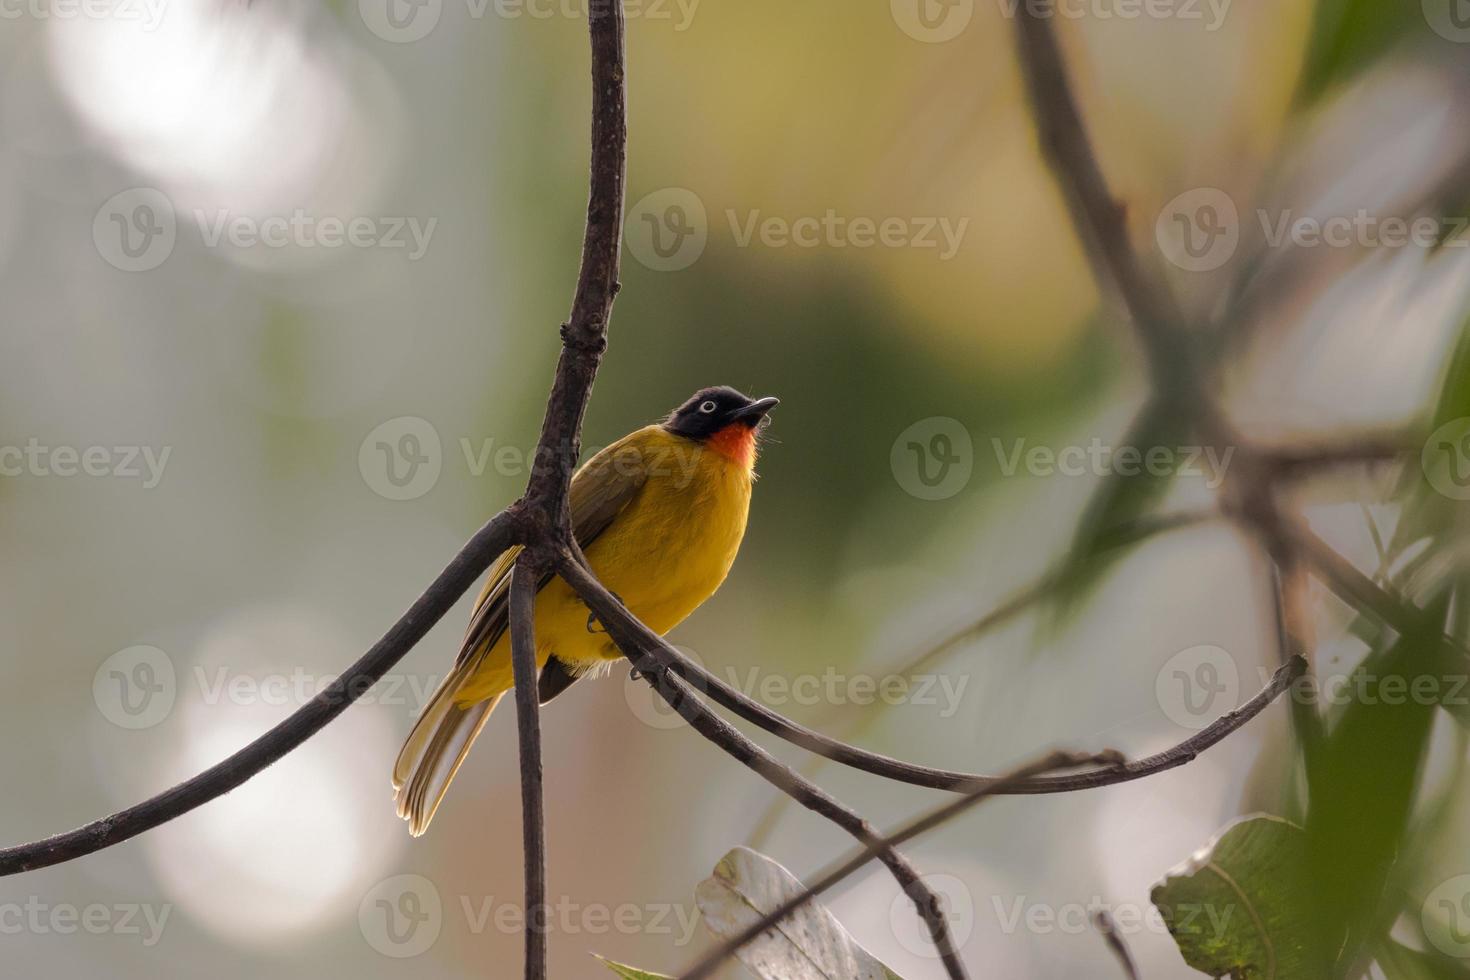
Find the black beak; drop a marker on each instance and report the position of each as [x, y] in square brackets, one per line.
[752, 414]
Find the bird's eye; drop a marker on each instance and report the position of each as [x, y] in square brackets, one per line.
[707, 407]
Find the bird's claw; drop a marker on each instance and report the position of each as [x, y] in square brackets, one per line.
[592, 617]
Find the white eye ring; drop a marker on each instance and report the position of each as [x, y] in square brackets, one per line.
[707, 407]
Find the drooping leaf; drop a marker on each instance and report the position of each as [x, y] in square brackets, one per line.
[630, 973]
[1240, 906]
[1363, 784]
[809, 944]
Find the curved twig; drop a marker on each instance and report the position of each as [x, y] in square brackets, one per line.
[1057, 760]
[948, 779]
[633, 638]
[467, 567]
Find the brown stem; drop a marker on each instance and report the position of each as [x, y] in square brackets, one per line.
[528, 722]
[875, 848]
[471, 562]
[632, 638]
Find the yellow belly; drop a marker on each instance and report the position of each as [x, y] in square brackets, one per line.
[664, 555]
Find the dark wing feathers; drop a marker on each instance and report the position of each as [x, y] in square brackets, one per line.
[600, 490]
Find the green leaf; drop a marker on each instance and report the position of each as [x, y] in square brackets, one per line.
[1363, 785]
[629, 973]
[809, 944]
[1348, 36]
[1240, 905]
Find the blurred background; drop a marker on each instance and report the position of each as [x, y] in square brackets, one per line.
[281, 285]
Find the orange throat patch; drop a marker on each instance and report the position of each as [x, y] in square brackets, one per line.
[735, 442]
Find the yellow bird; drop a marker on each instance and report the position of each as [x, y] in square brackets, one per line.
[659, 515]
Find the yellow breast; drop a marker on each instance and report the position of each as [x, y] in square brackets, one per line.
[665, 554]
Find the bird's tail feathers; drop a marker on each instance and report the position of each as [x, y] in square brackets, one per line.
[436, 748]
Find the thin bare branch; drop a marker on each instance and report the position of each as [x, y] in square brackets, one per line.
[1057, 760]
[632, 637]
[1310, 459]
[539, 520]
[1100, 220]
[1361, 592]
[666, 656]
[528, 722]
[467, 567]
[584, 339]
[1288, 608]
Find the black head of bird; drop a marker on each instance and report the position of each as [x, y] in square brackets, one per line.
[711, 410]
